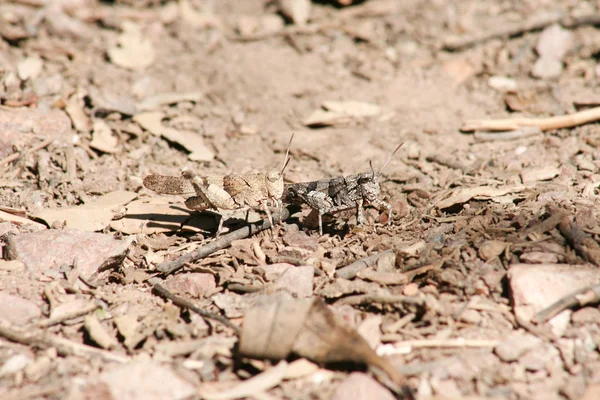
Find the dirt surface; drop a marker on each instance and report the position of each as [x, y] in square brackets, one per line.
[488, 229]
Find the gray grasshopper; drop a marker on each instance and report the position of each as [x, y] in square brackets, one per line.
[329, 196]
[230, 192]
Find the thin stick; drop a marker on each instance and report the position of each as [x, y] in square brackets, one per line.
[381, 299]
[350, 271]
[519, 28]
[458, 342]
[181, 302]
[35, 148]
[64, 347]
[545, 124]
[525, 132]
[581, 297]
[67, 316]
[220, 243]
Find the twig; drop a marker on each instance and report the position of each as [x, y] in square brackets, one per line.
[578, 298]
[63, 346]
[371, 298]
[457, 342]
[67, 316]
[220, 243]
[518, 28]
[350, 271]
[36, 392]
[524, 132]
[181, 302]
[545, 124]
[35, 148]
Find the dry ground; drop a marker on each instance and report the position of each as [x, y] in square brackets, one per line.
[488, 228]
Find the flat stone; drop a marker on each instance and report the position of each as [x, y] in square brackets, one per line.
[360, 386]
[17, 310]
[301, 240]
[40, 251]
[536, 286]
[515, 345]
[193, 284]
[146, 379]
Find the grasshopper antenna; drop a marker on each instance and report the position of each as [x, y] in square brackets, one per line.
[286, 160]
[389, 159]
[372, 170]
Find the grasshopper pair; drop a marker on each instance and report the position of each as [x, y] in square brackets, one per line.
[264, 190]
[230, 192]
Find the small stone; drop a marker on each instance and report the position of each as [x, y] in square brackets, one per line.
[297, 281]
[532, 175]
[360, 386]
[491, 249]
[412, 289]
[17, 310]
[554, 42]
[193, 284]
[471, 316]
[502, 83]
[14, 364]
[29, 68]
[546, 68]
[301, 240]
[515, 345]
[532, 360]
[40, 251]
[586, 315]
[538, 257]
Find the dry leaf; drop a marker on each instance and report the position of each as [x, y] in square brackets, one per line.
[159, 100]
[279, 325]
[298, 11]
[132, 51]
[91, 217]
[193, 142]
[74, 109]
[97, 332]
[15, 219]
[250, 387]
[103, 138]
[340, 112]
[462, 195]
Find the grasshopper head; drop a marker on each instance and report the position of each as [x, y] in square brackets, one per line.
[274, 184]
[369, 188]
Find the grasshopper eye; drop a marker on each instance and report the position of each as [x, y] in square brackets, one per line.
[273, 176]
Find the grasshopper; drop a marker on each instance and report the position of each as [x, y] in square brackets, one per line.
[230, 192]
[329, 196]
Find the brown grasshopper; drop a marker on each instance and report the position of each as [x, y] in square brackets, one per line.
[329, 196]
[230, 192]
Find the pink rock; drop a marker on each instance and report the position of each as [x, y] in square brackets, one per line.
[44, 250]
[194, 284]
[359, 386]
[17, 310]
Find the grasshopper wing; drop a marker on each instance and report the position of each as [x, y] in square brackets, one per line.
[169, 184]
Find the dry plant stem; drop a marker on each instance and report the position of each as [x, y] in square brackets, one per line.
[578, 298]
[519, 28]
[350, 271]
[183, 303]
[522, 133]
[64, 347]
[220, 243]
[545, 124]
[73, 314]
[16, 156]
[459, 342]
[381, 298]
